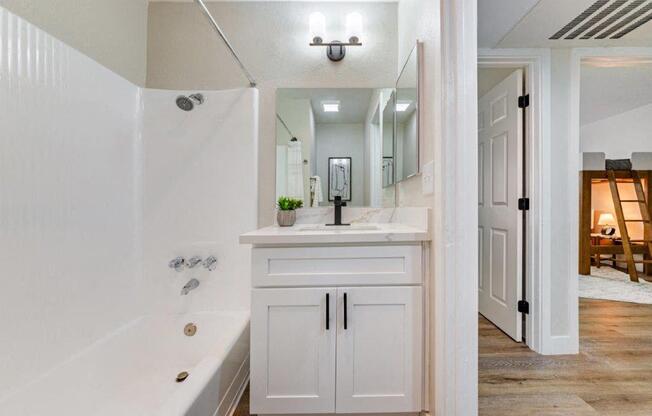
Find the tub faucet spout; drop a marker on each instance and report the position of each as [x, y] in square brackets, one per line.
[191, 285]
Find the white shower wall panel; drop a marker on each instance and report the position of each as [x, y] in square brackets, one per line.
[70, 202]
[200, 175]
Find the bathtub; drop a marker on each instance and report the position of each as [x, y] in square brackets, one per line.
[133, 371]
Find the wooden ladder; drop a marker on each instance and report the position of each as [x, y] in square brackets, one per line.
[633, 178]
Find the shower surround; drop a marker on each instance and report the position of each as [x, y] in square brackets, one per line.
[101, 184]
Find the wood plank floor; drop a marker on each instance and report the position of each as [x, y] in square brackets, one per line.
[612, 375]
[243, 405]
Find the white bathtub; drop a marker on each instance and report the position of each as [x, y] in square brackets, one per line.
[132, 372]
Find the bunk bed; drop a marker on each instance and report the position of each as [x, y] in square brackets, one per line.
[624, 250]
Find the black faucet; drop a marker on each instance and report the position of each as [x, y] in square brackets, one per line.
[338, 204]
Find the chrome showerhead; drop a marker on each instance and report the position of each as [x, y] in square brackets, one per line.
[188, 103]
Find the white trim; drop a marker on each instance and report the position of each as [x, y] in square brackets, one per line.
[455, 261]
[537, 65]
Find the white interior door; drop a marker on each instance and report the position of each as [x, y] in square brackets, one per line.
[293, 351]
[379, 350]
[500, 164]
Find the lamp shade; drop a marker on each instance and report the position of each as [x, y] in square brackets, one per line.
[354, 27]
[317, 27]
[606, 218]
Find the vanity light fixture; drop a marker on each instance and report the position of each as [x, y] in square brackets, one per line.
[331, 106]
[335, 49]
[402, 106]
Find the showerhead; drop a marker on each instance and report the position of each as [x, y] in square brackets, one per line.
[188, 103]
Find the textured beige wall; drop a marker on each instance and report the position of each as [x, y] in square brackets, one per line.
[112, 32]
[272, 38]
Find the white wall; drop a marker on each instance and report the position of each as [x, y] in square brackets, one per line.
[272, 39]
[342, 140]
[112, 32]
[200, 195]
[70, 202]
[620, 135]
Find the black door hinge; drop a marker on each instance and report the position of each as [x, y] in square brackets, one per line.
[524, 101]
[524, 204]
[524, 306]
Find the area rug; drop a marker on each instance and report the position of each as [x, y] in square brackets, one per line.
[611, 284]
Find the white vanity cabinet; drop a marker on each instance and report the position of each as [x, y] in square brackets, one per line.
[293, 351]
[337, 329]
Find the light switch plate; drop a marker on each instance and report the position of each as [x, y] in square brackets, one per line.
[427, 180]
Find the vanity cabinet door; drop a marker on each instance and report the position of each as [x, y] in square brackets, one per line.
[293, 341]
[379, 349]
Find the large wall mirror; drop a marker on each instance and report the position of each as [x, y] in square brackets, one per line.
[406, 131]
[331, 142]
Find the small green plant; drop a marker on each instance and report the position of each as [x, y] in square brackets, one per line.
[288, 204]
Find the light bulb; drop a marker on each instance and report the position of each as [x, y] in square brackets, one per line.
[317, 27]
[354, 27]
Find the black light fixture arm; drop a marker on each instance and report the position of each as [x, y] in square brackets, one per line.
[336, 50]
[336, 43]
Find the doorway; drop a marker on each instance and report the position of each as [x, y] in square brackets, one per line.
[502, 198]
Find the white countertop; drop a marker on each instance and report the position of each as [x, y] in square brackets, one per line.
[320, 234]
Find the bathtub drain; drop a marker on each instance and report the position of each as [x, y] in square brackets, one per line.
[190, 329]
[182, 376]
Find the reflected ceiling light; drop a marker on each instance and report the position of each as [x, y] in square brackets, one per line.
[335, 49]
[331, 106]
[402, 106]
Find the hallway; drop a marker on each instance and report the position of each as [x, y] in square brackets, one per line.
[610, 376]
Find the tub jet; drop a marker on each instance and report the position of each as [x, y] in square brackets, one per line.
[182, 376]
[190, 329]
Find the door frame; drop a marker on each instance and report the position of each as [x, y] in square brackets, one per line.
[536, 66]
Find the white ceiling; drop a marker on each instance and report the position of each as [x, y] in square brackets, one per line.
[304, 1]
[608, 89]
[497, 17]
[354, 102]
[530, 23]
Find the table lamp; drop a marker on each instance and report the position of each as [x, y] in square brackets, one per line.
[607, 221]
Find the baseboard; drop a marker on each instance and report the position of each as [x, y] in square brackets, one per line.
[561, 345]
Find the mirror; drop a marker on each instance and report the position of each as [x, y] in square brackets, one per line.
[330, 142]
[406, 143]
[388, 141]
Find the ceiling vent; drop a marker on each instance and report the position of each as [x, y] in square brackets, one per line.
[607, 19]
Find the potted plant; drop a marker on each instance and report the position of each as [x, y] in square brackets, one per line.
[286, 215]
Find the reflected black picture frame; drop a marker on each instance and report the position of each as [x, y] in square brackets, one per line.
[333, 162]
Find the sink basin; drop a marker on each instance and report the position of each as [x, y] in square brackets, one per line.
[326, 228]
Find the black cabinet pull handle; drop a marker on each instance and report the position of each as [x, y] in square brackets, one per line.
[345, 313]
[328, 311]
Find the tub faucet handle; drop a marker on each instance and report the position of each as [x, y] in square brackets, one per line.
[177, 263]
[210, 263]
[191, 285]
[193, 261]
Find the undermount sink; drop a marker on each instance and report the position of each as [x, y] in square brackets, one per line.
[326, 228]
